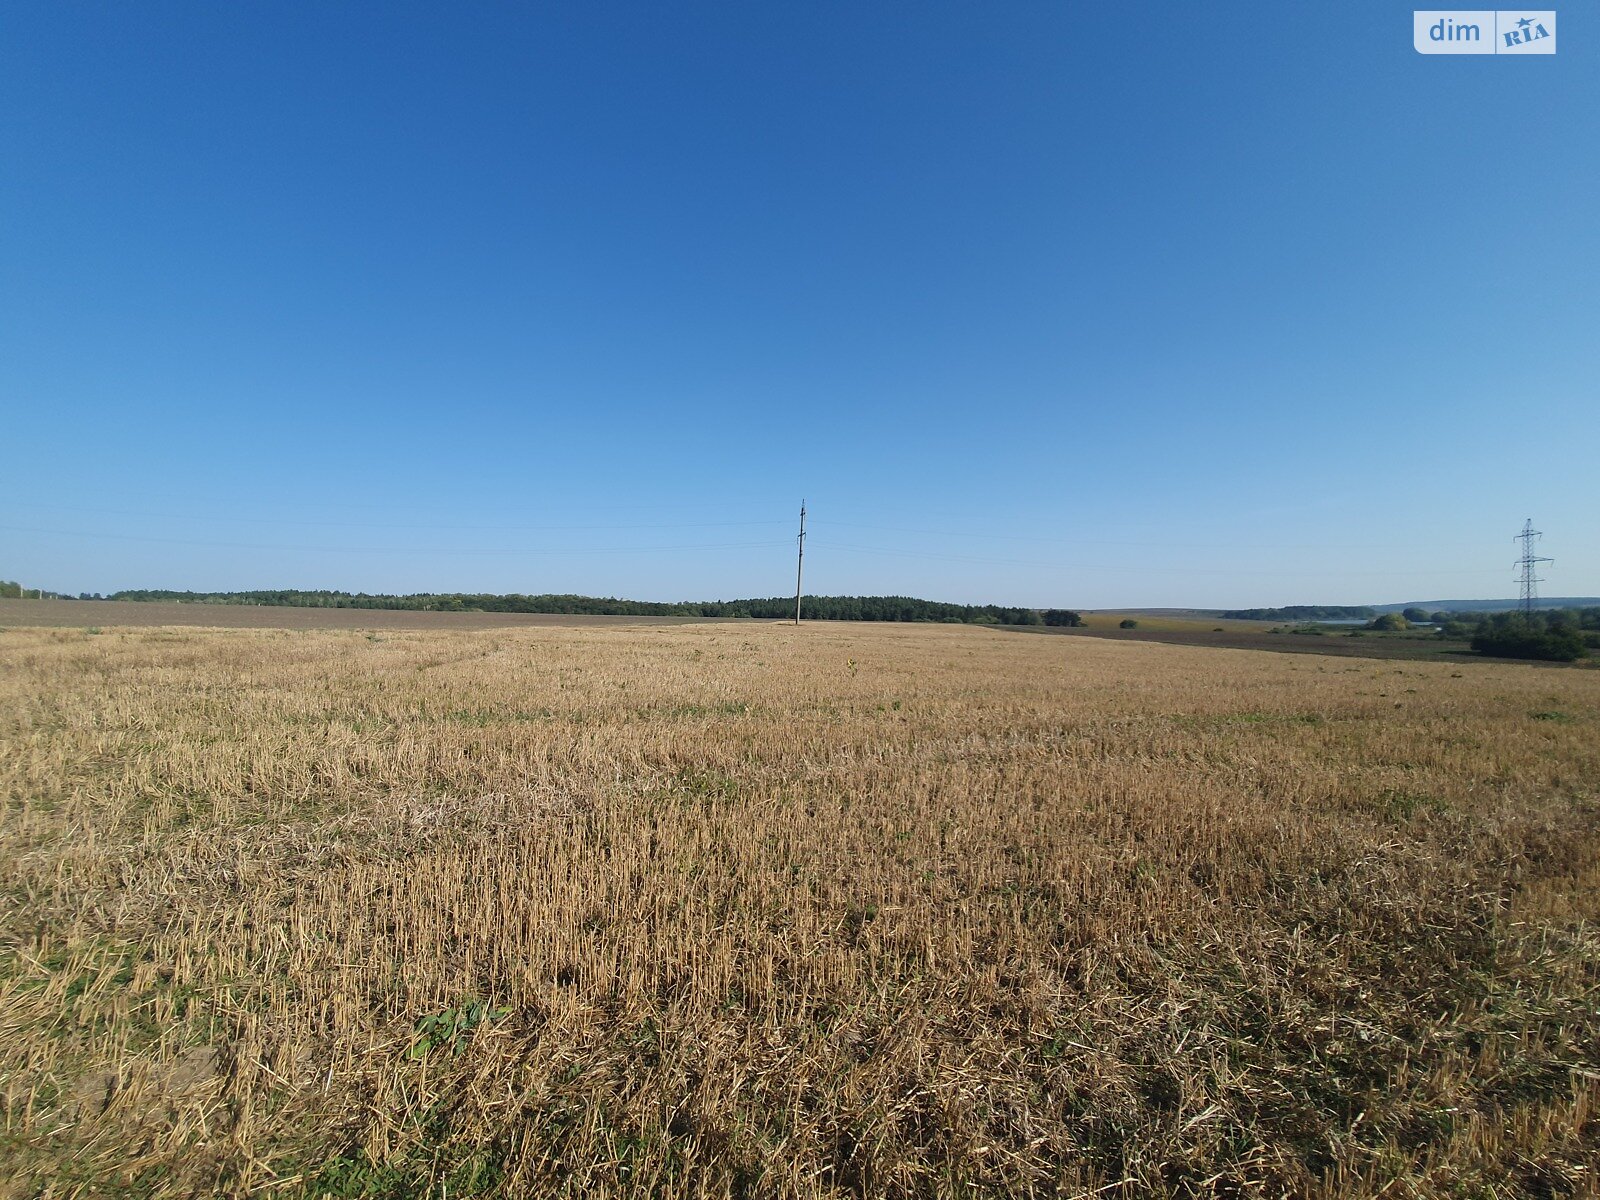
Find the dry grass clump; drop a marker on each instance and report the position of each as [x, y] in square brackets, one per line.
[756, 910]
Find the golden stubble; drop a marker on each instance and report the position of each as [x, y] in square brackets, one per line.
[745, 909]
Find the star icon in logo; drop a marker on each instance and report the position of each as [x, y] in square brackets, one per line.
[1525, 22]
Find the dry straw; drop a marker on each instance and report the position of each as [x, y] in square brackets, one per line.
[750, 910]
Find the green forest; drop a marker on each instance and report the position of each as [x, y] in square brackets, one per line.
[1554, 635]
[10, 589]
[816, 608]
[1550, 634]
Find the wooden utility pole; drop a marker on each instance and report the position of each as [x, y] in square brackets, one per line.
[800, 562]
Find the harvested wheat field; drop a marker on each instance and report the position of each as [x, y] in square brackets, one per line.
[751, 910]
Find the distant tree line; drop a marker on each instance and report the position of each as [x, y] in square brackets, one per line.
[816, 608]
[1554, 635]
[1304, 612]
[10, 589]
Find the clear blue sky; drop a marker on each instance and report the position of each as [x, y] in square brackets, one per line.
[1041, 303]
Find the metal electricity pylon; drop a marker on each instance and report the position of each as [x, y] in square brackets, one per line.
[1529, 563]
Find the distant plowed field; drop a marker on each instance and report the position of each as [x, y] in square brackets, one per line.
[145, 614]
[756, 910]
